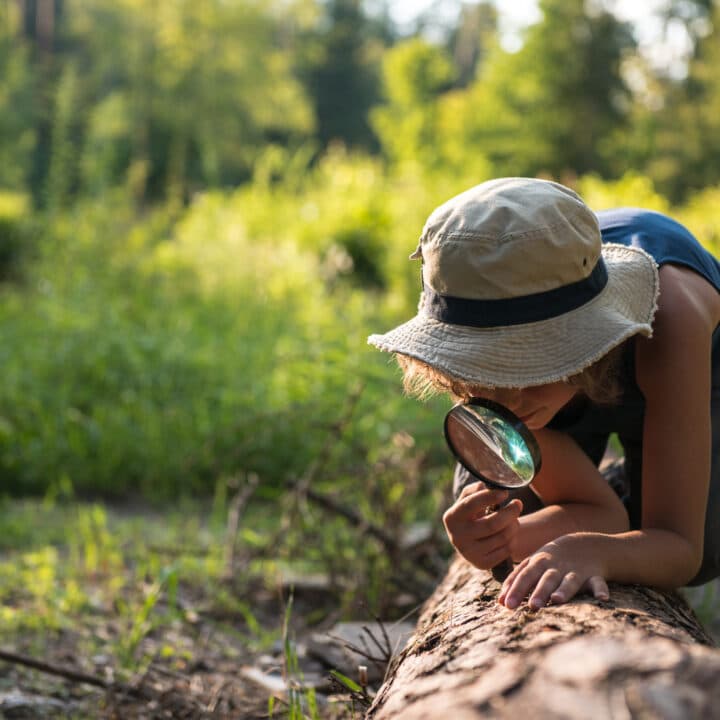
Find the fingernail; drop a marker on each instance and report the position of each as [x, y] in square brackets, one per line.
[511, 602]
[557, 597]
[535, 604]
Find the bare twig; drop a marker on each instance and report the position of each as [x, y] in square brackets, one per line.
[386, 637]
[301, 486]
[387, 650]
[337, 429]
[354, 518]
[77, 676]
[237, 505]
[362, 652]
[216, 695]
[49, 668]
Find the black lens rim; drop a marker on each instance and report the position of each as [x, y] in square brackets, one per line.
[509, 417]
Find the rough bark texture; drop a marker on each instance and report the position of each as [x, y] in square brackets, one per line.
[642, 654]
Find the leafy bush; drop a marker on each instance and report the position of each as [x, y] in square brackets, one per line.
[160, 354]
[15, 236]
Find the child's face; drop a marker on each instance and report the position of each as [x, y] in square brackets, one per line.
[535, 406]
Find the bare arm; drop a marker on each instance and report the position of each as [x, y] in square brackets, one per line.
[673, 371]
[576, 497]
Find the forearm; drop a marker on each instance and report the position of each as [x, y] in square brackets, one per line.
[659, 558]
[586, 560]
[551, 522]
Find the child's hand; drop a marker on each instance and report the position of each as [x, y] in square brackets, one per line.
[553, 574]
[482, 534]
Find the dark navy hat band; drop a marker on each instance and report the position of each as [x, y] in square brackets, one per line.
[515, 310]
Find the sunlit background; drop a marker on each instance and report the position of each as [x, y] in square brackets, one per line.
[206, 207]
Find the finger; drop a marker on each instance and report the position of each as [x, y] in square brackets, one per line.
[510, 579]
[567, 589]
[523, 583]
[487, 552]
[478, 502]
[495, 557]
[501, 538]
[475, 538]
[598, 587]
[512, 508]
[471, 488]
[475, 504]
[496, 521]
[478, 487]
[546, 585]
[484, 557]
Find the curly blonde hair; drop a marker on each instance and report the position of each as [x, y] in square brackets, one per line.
[600, 382]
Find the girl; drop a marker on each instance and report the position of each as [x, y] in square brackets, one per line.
[583, 325]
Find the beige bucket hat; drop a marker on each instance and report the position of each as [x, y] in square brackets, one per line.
[519, 290]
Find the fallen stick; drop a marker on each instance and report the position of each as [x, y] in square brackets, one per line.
[77, 676]
[50, 669]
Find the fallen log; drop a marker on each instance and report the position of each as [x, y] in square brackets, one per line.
[642, 654]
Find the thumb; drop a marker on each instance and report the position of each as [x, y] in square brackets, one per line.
[517, 504]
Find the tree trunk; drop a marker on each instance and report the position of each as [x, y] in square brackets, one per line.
[642, 654]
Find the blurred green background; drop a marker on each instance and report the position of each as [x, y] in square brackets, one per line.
[205, 208]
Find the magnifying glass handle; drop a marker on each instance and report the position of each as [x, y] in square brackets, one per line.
[502, 570]
[505, 567]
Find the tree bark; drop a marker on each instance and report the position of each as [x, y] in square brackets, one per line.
[643, 654]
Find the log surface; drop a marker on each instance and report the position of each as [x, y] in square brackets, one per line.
[642, 654]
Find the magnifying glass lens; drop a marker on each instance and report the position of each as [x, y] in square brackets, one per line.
[495, 446]
[492, 444]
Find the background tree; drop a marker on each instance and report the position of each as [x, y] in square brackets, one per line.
[166, 97]
[19, 108]
[415, 74]
[561, 96]
[680, 131]
[339, 65]
[472, 38]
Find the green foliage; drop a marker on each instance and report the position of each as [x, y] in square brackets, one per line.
[697, 213]
[156, 354]
[161, 98]
[16, 239]
[686, 160]
[338, 63]
[190, 265]
[69, 568]
[551, 106]
[169, 100]
[161, 350]
[61, 177]
[631, 190]
[145, 357]
[639, 191]
[415, 73]
[18, 108]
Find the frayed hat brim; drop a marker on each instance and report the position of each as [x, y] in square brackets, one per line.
[541, 352]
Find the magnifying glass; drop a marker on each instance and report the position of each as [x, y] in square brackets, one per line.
[494, 446]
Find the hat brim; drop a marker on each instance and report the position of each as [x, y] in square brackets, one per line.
[540, 352]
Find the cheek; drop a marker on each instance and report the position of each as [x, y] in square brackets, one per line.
[555, 397]
[562, 395]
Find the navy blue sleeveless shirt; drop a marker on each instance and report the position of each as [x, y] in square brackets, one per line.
[591, 425]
